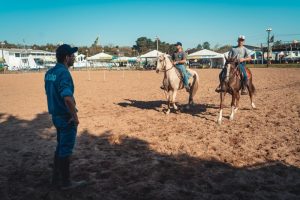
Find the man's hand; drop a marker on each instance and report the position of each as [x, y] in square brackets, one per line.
[175, 63]
[75, 120]
[245, 59]
[70, 103]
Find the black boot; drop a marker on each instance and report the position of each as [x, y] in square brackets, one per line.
[67, 184]
[244, 88]
[218, 89]
[56, 178]
[187, 88]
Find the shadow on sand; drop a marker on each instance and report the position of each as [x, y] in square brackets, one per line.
[122, 167]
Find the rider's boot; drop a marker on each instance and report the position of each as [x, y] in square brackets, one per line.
[218, 89]
[244, 87]
[187, 88]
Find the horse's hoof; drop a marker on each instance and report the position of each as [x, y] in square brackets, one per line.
[231, 118]
[167, 112]
[253, 106]
[219, 122]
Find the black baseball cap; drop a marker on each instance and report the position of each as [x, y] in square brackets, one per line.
[66, 49]
[178, 43]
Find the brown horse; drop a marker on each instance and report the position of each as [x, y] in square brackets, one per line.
[232, 84]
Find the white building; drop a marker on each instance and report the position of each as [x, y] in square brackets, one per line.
[18, 59]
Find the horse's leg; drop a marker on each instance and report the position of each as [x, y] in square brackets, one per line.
[251, 92]
[174, 99]
[222, 97]
[237, 102]
[166, 95]
[169, 102]
[234, 94]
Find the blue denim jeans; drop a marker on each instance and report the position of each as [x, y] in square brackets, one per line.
[242, 67]
[66, 135]
[243, 70]
[185, 73]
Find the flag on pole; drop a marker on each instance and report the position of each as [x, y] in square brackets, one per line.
[272, 39]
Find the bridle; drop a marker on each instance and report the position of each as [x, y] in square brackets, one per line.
[228, 74]
[164, 66]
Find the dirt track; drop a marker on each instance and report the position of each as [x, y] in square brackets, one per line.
[130, 149]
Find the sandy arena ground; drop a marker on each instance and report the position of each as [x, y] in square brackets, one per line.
[129, 149]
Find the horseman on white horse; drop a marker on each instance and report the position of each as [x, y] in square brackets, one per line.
[177, 77]
[179, 59]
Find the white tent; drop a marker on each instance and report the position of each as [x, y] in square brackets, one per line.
[213, 59]
[100, 56]
[152, 54]
[79, 57]
[205, 54]
[121, 59]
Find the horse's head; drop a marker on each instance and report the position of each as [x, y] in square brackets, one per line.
[161, 63]
[230, 66]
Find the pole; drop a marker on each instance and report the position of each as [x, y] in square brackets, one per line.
[268, 49]
[89, 75]
[268, 59]
[2, 43]
[262, 54]
[156, 43]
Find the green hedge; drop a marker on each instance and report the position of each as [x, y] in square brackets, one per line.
[274, 65]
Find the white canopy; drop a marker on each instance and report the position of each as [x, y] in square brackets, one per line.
[152, 54]
[100, 56]
[204, 54]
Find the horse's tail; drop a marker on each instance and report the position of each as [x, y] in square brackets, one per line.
[195, 86]
[251, 85]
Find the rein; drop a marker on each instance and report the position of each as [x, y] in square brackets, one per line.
[165, 70]
[233, 73]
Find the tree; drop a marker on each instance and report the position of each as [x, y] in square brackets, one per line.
[224, 49]
[206, 45]
[277, 43]
[199, 47]
[144, 45]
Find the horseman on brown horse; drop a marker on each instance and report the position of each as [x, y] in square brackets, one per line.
[234, 77]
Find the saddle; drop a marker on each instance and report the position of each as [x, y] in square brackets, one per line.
[180, 76]
[241, 75]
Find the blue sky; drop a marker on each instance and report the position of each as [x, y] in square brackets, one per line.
[122, 22]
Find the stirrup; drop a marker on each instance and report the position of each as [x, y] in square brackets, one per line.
[244, 92]
[187, 88]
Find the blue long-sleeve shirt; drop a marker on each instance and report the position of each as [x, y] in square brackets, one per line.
[58, 84]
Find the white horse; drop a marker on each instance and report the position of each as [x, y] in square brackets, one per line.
[172, 81]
